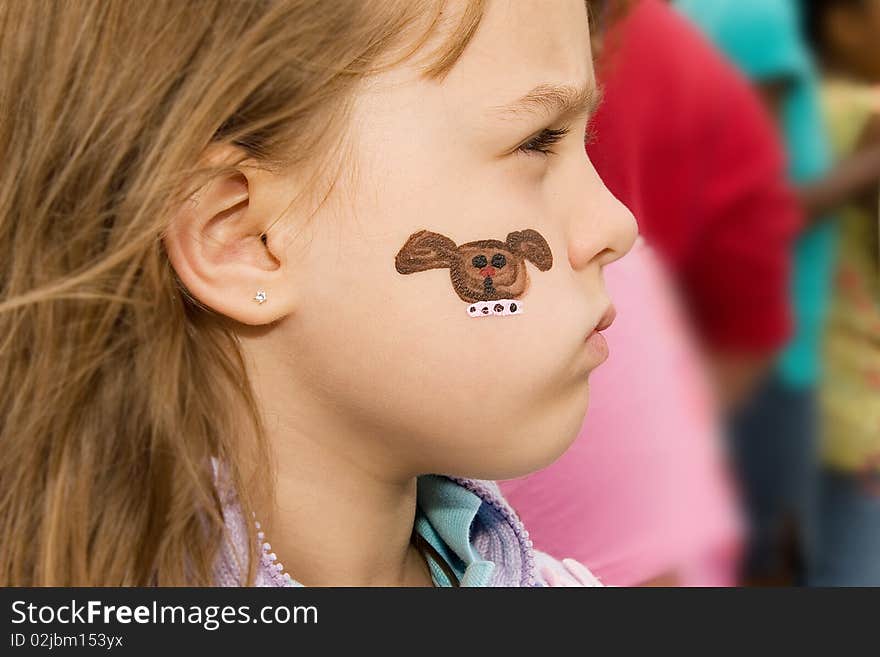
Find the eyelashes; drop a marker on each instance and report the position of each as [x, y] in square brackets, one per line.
[542, 143]
[589, 135]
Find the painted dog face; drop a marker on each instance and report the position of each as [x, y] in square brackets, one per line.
[485, 270]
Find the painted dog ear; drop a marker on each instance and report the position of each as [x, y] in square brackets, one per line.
[531, 246]
[425, 250]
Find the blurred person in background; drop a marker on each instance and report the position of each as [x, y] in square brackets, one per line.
[775, 436]
[642, 496]
[845, 35]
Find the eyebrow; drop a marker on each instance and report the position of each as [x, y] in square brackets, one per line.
[554, 100]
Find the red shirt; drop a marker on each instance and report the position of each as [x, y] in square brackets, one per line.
[682, 140]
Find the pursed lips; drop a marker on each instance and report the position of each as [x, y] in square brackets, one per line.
[606, 320]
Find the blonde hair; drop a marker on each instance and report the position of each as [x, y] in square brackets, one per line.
[116, 388]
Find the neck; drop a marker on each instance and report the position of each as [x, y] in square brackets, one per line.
[341, 516]
[334, 524]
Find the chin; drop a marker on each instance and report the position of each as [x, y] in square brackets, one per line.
[538, 448]
[566, 428]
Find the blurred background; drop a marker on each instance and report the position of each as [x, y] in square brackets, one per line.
[734, 435]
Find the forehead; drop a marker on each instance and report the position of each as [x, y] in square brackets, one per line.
[521, 55]
[522, 44]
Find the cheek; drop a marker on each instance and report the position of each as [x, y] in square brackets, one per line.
[400, 357]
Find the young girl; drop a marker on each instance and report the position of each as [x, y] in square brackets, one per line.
[266, 266]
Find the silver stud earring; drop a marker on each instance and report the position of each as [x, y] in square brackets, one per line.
[260, 296]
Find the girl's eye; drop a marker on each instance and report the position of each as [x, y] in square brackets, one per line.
[542, 142]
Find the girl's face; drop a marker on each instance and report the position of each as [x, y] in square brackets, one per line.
[393, 362]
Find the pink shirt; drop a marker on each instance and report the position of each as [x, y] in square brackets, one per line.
[643, 490]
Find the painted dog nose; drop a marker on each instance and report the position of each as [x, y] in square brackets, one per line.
[487, 272]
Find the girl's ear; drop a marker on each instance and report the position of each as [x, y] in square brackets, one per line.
[218, 244]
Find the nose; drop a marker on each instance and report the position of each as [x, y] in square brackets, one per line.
[603, 232]
[486, 272]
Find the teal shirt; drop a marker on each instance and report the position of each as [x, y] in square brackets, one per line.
[444, 517]
[763, 38]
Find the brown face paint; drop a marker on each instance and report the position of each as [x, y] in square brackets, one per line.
[481, 272]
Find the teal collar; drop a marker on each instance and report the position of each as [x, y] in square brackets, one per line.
[445, 515]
